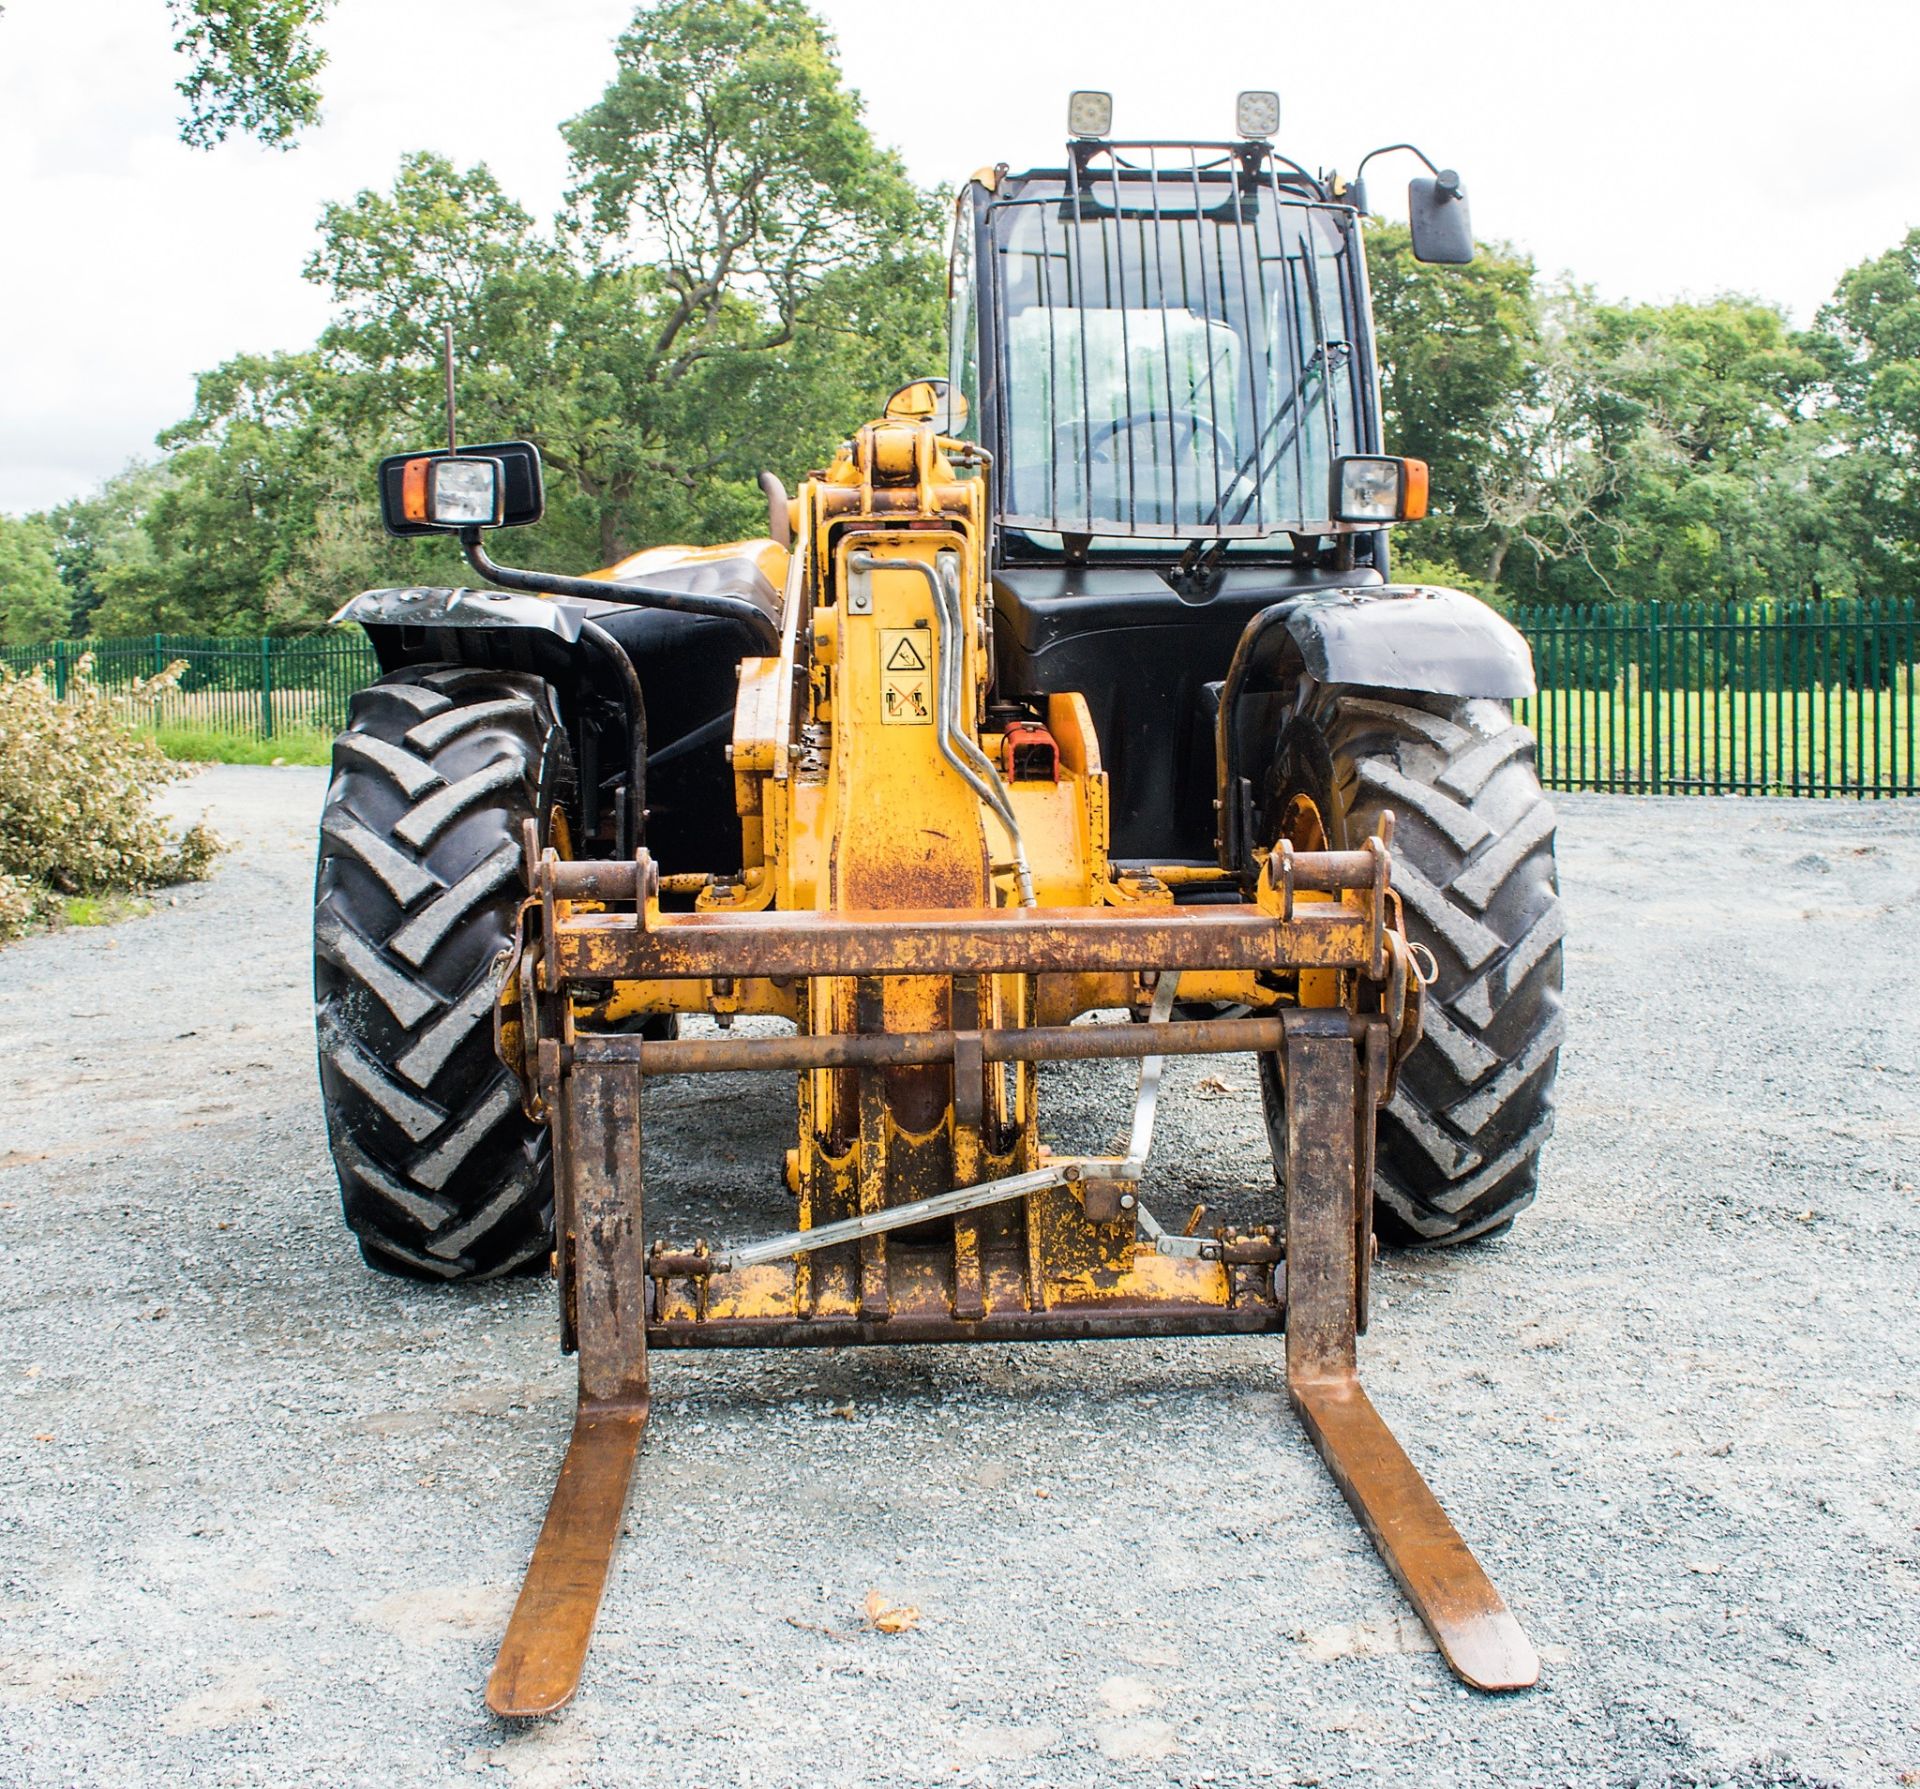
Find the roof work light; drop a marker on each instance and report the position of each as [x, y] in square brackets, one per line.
[1257, 114]
[1089, 114]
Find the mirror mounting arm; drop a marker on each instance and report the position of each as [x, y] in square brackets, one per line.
[1412, 149]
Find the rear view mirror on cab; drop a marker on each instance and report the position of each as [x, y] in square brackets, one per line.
[497, 486]
[1438, 220]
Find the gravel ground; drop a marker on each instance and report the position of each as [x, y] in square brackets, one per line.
[266, 1511]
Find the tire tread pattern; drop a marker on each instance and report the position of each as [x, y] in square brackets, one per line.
[1459, 1143]
[441, 1174]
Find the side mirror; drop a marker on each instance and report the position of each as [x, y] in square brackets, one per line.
[1439, 222]
[497, 486]
[930, 400]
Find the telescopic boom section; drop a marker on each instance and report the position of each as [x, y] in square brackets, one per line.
[926, 894]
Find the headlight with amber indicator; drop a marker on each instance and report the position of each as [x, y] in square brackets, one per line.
[1379, 488]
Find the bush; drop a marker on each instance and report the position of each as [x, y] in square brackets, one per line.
[18, 905]
[76, 787]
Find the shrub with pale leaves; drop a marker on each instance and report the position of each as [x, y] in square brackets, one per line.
[76, 787]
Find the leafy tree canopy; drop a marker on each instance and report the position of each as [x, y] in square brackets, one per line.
[1457, 351]
[1872, 347]
[801, 283]
[253, 68]
[33, 602]
[1590, 452]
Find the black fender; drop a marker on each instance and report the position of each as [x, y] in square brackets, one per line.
[488, 629]
[686, 666]
[420, 606]
[1414, 637]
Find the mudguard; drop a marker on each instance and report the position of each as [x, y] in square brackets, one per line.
[1414, 637]
[685, 664]
[1401, 637]
[421, 606]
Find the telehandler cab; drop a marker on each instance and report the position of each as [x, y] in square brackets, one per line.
[1070, 713]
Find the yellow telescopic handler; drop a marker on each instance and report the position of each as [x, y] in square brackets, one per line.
[1071, 713]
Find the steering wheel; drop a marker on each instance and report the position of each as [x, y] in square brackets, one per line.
[1100, 438]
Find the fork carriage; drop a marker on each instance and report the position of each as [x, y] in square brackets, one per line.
[1026, 1245]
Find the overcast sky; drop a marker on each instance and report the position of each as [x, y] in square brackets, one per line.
[1653, 148]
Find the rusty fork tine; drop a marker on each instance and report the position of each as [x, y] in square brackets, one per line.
[1470, 1623]
[541, 1657]
[597, 1180]
[1475, 1631]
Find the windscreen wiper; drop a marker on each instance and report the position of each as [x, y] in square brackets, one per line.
[1259, 463]
[1203, 554]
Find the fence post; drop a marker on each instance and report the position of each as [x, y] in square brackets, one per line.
[266, 686]
[59, 670]
[1654, 729]
[1913, 691]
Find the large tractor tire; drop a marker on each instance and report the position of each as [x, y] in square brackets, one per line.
[441, 1174]
[1459, 1145]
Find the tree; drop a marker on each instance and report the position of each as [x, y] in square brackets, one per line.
[1872, 328]
[741, 272]
[1549, 491]
[33, 601]
[1661, 427]
[1583, 451]
[268, 485]
[1868, 339]
[656, 390]
[254, 68]
[726, 180]
[1457, 348]
[534, 331]
[728, 157]
[103, 547]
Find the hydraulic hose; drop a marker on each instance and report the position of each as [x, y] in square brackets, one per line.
[645, 596]
[628, 678]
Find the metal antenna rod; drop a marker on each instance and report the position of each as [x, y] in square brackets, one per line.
[453, 434]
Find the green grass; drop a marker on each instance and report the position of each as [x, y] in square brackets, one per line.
[1830, 740]
[212, 745]
[101, 910]
[1824, 740]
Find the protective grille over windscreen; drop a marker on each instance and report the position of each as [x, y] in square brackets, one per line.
[1174, 348]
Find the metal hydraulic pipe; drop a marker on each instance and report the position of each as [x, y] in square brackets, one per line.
[644, 596]
[946, 590]
[628, 678]
[974, 767]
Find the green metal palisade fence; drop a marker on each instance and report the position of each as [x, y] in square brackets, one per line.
[260, 687]
[1801, 698]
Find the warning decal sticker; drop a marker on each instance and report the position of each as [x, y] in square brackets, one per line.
[906, 676]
